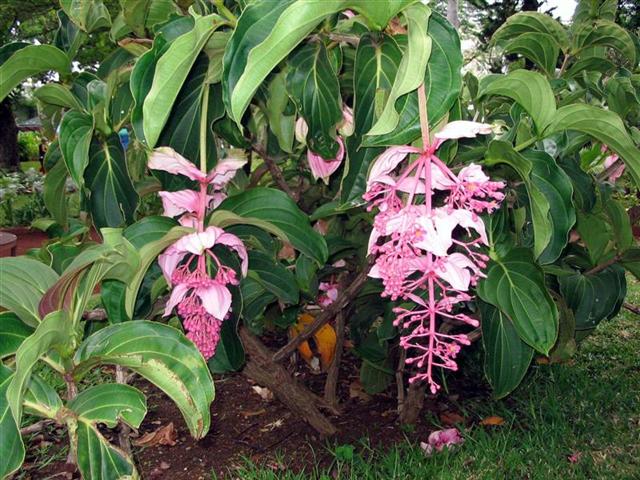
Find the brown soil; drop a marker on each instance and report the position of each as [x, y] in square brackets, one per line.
[244, 426]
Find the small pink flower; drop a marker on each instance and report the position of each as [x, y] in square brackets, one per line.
[347, 126]
[440, 439]
[323, 169]
[330, 295]
[617, 173]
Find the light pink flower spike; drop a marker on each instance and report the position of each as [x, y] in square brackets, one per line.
[167, 159]
[177, 203]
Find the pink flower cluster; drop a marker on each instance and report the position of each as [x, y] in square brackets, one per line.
[440, 439]
[202, 301]
[426, 254]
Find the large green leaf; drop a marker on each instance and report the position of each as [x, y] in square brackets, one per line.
[594, 297]
[540, 48]
[532, 22]
[281, 119]
[54, 191]
[603, 125]
[41, 399]
[276, 208]
[529, 89]
[11, 447]
[13, 332]
[76, 131]
[312, 82]
[55, 330]
[268, 31]
[376, 64]
[109, 403]
[556, 187]
[57, 94]
[605, 33]
[229, 356]
[28, 61]
[24, 282]
[148, 229]
[113, 198]
[142, 15]
[89, 16]
[273, 276]
[443, 82]
[503, 152]
[171, 71]
[68, 37]
[507, 357]
[411, 70]
[96, 458]
[162, 355]
[515, 285]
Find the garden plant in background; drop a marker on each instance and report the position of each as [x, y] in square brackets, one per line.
[326, 172]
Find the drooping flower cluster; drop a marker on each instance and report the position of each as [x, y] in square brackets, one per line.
[321, 167]
[425, 253]
[202, 302]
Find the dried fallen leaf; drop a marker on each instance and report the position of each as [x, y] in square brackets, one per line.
[273, 425]
[264, 392]
[492, 420]
[247, 413]
[166, 435]
[575, 457]
[357, 391]
[164, 466]
[542, 360]
[451, 418]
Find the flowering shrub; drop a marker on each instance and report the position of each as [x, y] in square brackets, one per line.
[445, 208]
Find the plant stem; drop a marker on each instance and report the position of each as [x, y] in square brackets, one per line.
[275, 172]
[228, 14]
[598, 268]
[526, 144]
[563, 67]
[203, 130]
[424, 118]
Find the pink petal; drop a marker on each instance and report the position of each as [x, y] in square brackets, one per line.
[301, 130]
[236, 244]
[176, 203]
[189, 220]
[218, 198]
[387, 162]
[321, 168]
[455, 271]
[473, 174]
[216, 299]
[198, 242]
[167, 159]
[169, 260]
[224, 171]
[346, 126]
[177, 294]
[617, 173]
[467, 219]
[463, 128]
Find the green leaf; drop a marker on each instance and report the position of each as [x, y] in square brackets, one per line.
[96, 458]
[411, 70]
[503, 152]
[592, 298]
[68, 36]
[54, 191]
[55, 330]
[313, 84]
[110, 403]
[375, 377]
[170, 73]
[276, 208]
[507, 357]
[113, 198]
[76, 131]
[229, 355]
[529, 89]
[605, 33]
[540, 48]
[273, 276]
[620, 223]
[162, 355]
[41, 399]
[11, 447]
[89, 16]
[113, 298]
[13, 332]
[515, 285]
[376, 64]
[443, 82]
[556, 187]
[532, 22]
[255, 299]
[148, 229]
[603, 125]
[29, 61]
[58, 95]
[281, 124]
[24, 282]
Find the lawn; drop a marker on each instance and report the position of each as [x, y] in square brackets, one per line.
[574, 421]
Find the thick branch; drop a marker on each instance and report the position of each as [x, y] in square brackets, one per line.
[36, 427]
[631, 308]
[347, 295]
[598, 268]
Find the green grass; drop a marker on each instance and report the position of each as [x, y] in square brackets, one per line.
[590, 407]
